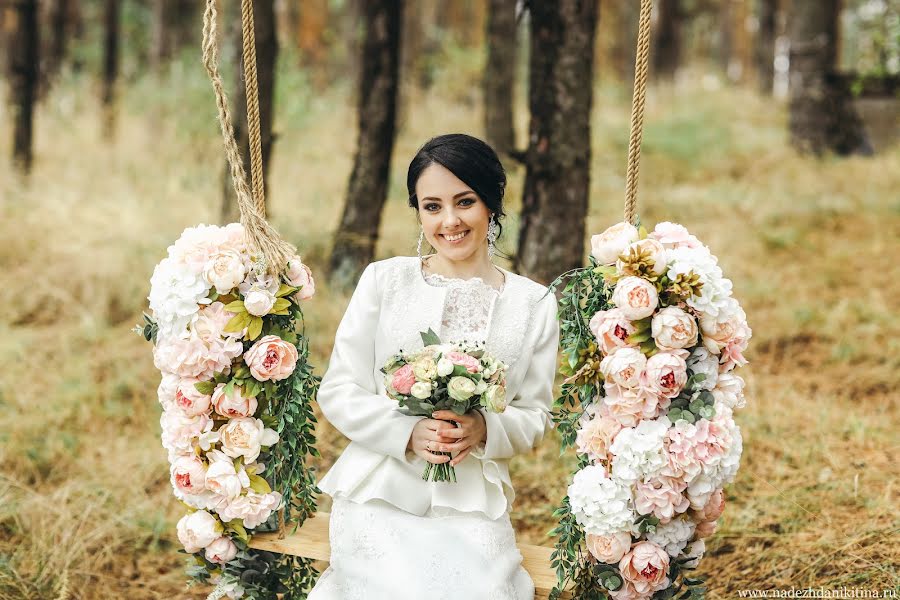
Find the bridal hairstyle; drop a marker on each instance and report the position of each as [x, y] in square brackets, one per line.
[471, 160]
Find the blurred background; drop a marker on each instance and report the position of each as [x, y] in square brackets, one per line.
[771, 132]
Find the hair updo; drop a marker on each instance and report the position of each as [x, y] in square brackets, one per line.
[472, 161]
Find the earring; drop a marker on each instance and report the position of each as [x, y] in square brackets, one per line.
[491, 238]
[419, 245]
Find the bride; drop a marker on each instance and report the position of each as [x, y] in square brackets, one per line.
[393, 535]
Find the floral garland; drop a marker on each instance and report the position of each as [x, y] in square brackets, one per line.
[236, 393]
[650, 335]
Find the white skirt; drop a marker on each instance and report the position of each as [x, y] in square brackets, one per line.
[380, 552]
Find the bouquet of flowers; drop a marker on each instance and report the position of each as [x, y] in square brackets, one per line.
[651, 339]
[234, 376]
[451, 376]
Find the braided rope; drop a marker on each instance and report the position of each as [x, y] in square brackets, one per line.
[642, 60]
[253, 119]
[273, 252]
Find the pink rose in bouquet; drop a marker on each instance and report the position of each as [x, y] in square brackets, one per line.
[611, 328]
[271, 359]
[645, 567]
[472, 364]
[403, 379]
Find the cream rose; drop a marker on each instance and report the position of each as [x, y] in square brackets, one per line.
[224, 271]
[444, 367]
[271, 359]
[233, 404]
[460, 388]
[596, 435]
[611, 329]
[673, 329]
[646, 567]
[421, 390]
[722, 328]
[609, 549]
[607, 246]
[624, 367]
[495, 398]
[636, 297]
[300, 276]
[198, 530]
[655, 251]
[221, 551]
[245, 436]
[666, 374]
[425, 368]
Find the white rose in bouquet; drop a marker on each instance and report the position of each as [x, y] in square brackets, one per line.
[495, 398]
[246, 436]
[223, 478]
[460, 388]
[253, 509]
[444, 367]
[198, 530]
[607, 246]
[421, 390]
[259, 301]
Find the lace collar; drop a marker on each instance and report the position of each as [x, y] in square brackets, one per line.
[438, 280]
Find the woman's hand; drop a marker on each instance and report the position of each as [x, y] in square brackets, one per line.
[472, 431]
[428, 436]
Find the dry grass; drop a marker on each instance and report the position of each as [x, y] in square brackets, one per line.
[84, 495]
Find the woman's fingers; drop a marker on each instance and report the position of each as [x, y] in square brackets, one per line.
[456, 460]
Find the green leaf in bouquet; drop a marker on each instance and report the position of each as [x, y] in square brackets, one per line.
[237, 526]
[205, 387]
[459, 370]
[644, 324]
[285, 290]
[430, 338]
[282, 304]
[237, 323]
[259, 485]
[649, 348]
[236, 307]
[639, 337]
[254, 328]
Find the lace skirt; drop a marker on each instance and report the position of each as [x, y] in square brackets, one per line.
[379, 552]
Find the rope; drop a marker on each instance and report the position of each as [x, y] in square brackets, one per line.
[272, 252]
[637, 111]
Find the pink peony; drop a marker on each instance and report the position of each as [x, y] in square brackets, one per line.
[221, 551]
[673, 235]
[666, 374]
[608, 549]
[607, 246]
[233, 404]
[624, 367]
[253, 509]
[663, 497]
[706, 529]
[271, 359]
[636, 297]
[719, 329]
[673, 329]
[628, 406]
[198, 530]
[246, 436]
[595, 436]
[189, 400]
[301, 277]
[714, 507]
[611, 329]
[733, 352]
[403, 379]
[189, 475]
[646, 567]
[472, 364]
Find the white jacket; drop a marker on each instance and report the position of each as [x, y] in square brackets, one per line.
[391, 305]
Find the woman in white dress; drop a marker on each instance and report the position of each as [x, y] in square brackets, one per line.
[393, 535]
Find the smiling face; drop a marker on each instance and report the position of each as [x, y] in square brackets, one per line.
[454, 218]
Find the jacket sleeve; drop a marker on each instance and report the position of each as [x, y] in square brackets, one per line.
[527, 418]
[348, 393]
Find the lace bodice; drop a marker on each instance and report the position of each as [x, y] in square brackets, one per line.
[468, 308]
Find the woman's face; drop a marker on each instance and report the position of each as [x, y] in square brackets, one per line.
[454, 218]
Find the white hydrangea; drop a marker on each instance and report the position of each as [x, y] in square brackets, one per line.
[716, 288]
[674, 535]
[602, 505]
[703, 362]
[716, 474]
[729, 390]
[175, 295]
[638, 452]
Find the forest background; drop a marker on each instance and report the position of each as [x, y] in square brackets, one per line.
[771, 132]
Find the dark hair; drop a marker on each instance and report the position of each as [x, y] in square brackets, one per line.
[471, 160]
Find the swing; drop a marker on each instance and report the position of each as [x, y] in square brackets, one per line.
[310, 541]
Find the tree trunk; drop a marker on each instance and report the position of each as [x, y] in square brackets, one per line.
[110, 66]
[667, 54]
[176, 24]
[266, 56]
[822, 117]
[767, 11]
[161, 43]
[499, 75]
[21, 20]
[354, 241]
[558, 160]
[57, 19]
